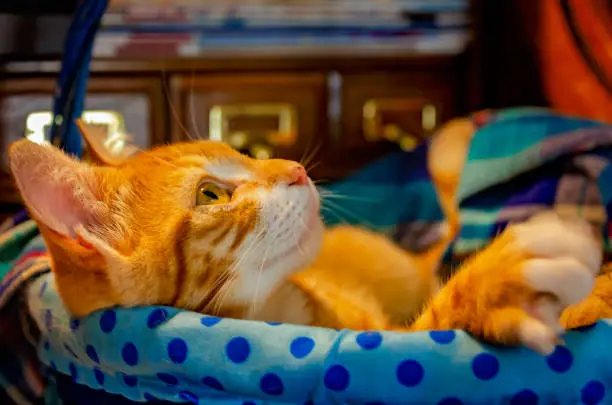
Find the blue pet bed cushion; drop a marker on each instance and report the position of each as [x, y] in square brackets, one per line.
[180, 356]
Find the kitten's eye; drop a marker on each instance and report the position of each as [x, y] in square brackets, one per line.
[211, 193]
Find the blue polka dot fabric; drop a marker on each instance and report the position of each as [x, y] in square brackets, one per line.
[164, 353]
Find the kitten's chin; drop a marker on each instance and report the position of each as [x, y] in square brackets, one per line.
[307, 248]
[301, 253]
[273, 285]
[258, 281]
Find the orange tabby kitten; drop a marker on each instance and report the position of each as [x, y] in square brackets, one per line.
[201, 227]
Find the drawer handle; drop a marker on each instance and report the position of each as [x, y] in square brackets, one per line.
[278, 126]
[375, 129]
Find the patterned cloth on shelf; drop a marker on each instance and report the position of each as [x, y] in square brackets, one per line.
[519, 161]
[22, 257]
[162, 353]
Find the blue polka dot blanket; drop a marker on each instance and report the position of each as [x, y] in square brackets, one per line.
[164, 354]
[181, 356]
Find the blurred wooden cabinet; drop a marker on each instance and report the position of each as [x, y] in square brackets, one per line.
[339, 112]
[130, 105]
[264, 115]
[403, 108]
[127, 106]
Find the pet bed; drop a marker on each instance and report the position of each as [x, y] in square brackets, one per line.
[156, 353]
[165, 354]
[181, 356]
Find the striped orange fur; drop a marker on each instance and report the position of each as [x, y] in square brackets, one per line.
[129, 231]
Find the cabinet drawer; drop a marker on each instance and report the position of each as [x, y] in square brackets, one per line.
[404, 108]
[122, 105]
[263, 115]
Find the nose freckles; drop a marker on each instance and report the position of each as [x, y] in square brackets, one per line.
[299, 176]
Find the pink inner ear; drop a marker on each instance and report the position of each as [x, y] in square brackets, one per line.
[56, 203]
[55, 188]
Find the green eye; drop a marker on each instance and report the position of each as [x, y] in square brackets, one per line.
[211, 193]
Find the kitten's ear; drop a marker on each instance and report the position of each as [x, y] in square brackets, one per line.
[101, 149]
[59, 191]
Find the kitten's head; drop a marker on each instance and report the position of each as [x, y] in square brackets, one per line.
[193, 225]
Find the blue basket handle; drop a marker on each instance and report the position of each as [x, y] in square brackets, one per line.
[71, 86]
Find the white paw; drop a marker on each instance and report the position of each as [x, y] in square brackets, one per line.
[563, 258]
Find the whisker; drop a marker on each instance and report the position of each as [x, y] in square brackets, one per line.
[157, 158]
[297, 238]
[220, 297]
[310, 150]
[223, 278]
[313, 166]
[314, 152]
[220, 279]
[259, 273]
[246, 252]
[175, 114]
[335, 214]
[348, 212]
[216, 300]
[327, 195]
[152, 156]
[306, 150]
[191, 107]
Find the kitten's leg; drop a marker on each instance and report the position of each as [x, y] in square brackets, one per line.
[514, 291]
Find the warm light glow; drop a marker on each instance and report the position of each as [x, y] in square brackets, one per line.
[36, 123]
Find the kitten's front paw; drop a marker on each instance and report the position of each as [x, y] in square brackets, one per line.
[528, 276]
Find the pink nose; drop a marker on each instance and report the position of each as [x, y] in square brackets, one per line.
[299, 175]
